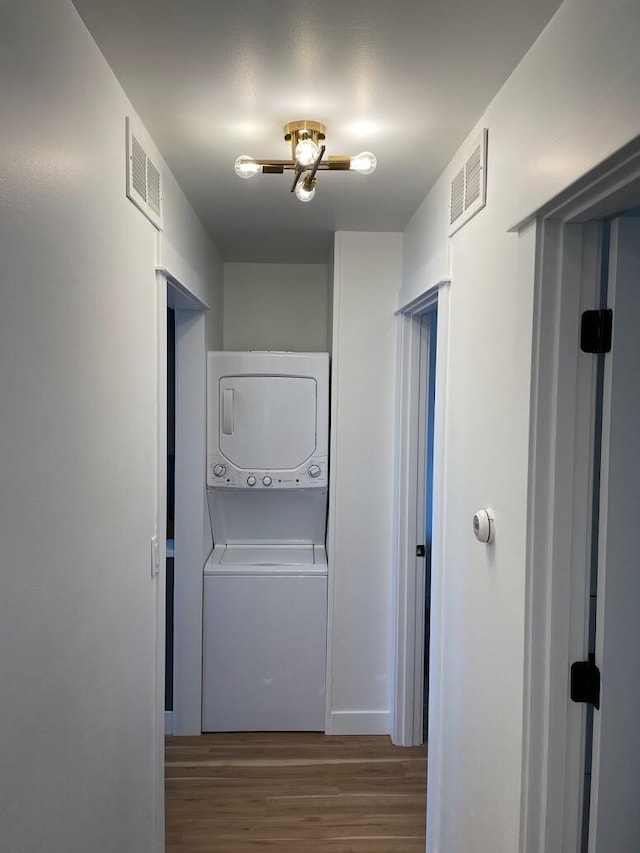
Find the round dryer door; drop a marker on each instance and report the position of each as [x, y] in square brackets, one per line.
[267, 422]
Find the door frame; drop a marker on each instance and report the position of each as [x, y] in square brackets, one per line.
[410, 485]
[160, 589]
[192, 529]
[566, 238]
[613, 812]
[175, 287]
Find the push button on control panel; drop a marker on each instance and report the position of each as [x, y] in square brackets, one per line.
[266, 481]
[251, 481]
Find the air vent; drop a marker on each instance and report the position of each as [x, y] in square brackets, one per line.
[138, 168]
[144, 182]
[472, 178]
[153, 187]
[457, 196]
[469, 186]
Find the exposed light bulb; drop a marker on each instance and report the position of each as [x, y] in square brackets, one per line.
[364, 163]
[246, 167]
[305, 193]
[306, 152]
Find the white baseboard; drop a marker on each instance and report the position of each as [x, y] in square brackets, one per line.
[342, 723]
[168, 722]
[359, 723]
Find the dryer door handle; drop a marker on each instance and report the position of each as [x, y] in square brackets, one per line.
[227, 411]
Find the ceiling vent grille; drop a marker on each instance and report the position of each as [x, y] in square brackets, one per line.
[469, 186]
[144, 181]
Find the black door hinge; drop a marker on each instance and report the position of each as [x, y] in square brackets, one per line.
[585, 682]
[595, 330]
[420, 551]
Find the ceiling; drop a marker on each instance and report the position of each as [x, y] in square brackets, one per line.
[406, 79]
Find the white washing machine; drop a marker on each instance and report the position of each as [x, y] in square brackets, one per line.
[265, 584]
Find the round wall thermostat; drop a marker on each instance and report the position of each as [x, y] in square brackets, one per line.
[484, 526]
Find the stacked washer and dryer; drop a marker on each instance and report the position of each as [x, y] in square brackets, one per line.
[265, 584]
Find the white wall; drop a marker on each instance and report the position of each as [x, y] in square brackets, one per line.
[330, 275]
[574, 99]
[77, 445]
[366, 281]
[276, 306]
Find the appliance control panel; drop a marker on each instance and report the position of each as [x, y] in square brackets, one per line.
[221, 474]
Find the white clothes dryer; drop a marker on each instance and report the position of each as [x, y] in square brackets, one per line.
[267, 420]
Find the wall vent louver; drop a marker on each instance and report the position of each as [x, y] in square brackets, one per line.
[457, 196]
[144, 181]
[469, 186]
[153, 188]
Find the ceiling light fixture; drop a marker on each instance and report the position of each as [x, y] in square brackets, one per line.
[307, 151]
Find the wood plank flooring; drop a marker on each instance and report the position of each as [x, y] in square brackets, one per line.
[294, 793]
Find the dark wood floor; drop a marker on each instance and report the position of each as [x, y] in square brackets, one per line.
[294, 793]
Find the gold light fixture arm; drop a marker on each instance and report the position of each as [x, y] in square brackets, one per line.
[297, 176]
[284, 163]
[341, 162]
[310, 178]
[333, 164]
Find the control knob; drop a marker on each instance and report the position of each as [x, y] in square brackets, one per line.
[251, 481]
[219, 470]
[314, 471]
[266, 481]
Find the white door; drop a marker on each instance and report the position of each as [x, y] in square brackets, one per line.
[615, 788]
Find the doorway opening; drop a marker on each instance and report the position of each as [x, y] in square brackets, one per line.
[431, 411]
[424, 521]
[192, 540]
[612, 746]
[581, 758]
[171, 467]
[420, 448]
[180, 318]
